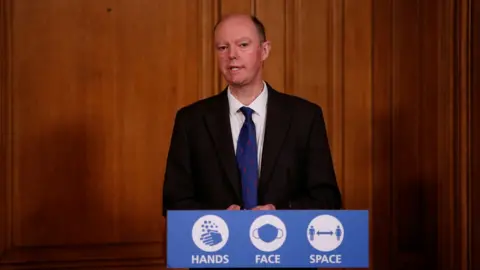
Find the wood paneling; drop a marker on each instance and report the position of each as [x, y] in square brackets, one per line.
[415, 214]
[4, 126]
[208, 73]
[381, 213]
[89, 90]
[314, 64]
[357, 104]
[447, 211]
[273, 15]
[475, 138]
[464, 74]
[237, 6]
[95, 86]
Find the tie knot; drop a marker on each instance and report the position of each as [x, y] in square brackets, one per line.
[247, 112]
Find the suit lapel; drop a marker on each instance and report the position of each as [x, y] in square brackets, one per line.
[218, 124]
[276, 128]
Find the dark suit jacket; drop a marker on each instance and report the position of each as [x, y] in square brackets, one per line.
[296, 173]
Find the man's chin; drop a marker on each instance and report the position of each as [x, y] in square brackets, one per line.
[237, 82]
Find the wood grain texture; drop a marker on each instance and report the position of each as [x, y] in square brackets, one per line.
[449, 133]
[311, 49]
[446, 126]
[273, 15]
[84, 257]
[382, 100]
[208, 73]
[475, 137]
[5, 95]
[315, 64]
[464, 72]
[237, 6]
[337, 64]
[96, 85]
[406, 94]
[414, 135]
[357, 104]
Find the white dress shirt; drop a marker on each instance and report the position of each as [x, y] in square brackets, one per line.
[259, 106]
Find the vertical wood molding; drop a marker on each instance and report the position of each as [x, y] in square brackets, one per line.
[5, 127]
[464, 145]
[357, 103]
[217, 77]
[336, 132]
[382, 49]
[273, 15]
[474, 181]
[292, 38]
[208, 15]
[407, 173]
[449, 140]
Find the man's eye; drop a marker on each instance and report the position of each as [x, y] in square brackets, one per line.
[221, 48]
[243, 45]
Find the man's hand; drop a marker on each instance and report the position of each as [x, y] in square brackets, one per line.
[265, 207]
[233, 207]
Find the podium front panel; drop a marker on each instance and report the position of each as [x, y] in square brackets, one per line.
[281, 238]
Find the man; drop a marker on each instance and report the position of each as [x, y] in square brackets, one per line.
[249, 147]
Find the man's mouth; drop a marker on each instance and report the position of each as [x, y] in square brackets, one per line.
[234, 68]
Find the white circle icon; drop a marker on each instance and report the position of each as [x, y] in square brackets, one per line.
[325, 233]
[268, 233]
[210, 233]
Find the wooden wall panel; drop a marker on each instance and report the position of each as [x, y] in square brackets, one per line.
[310, 51]
[448, 129]
[63, 153]
[96, 85]
[357, 105]
[149, 92]
[475, 138]
[273, 15]
[414, 130]
[463, 28]
[381, 212]
[315, 64]
[237, 6]
[208, 77]
[406, 94]
[4, 124]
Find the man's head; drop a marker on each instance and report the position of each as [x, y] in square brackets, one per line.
[241, 48]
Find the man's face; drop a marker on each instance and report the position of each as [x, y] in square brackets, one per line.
[240, 52]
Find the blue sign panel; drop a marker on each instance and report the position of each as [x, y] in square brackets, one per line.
[281, 238]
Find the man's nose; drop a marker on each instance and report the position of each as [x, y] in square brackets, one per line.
[232, 53]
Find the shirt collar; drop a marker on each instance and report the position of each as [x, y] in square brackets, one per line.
[259, 105]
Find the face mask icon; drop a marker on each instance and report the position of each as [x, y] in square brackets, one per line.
[267, 233]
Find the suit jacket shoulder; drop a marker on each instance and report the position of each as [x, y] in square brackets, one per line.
[194, 112]
[297, 104]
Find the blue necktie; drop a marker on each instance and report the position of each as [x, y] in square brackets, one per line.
[247, 159]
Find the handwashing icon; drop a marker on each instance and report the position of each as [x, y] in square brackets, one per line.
[267, 233]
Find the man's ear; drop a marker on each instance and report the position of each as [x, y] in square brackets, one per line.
[266, 47]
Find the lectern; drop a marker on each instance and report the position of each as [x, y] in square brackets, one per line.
[270, 239]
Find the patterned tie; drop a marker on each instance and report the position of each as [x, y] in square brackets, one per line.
[247, 159]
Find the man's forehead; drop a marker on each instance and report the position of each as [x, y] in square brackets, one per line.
[236, 32]
[237, 22]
